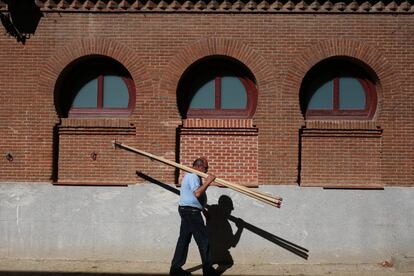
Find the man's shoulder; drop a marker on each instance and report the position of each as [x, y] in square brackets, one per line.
[191, 177]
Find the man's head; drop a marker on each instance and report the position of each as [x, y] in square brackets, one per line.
[201, 164]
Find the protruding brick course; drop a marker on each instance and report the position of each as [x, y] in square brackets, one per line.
[253, 6]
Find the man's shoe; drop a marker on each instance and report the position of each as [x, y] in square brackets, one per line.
[179, 272]
[210, 272]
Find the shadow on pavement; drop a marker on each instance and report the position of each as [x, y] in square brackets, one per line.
[51, 273]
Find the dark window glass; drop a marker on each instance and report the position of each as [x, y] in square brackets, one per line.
[351, 94]
[87, 97]
[204, 97]
[322, 98]
[233, 93]
[115, 92]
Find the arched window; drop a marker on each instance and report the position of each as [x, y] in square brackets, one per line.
[217, 87]
[338, 89]
[95, 86]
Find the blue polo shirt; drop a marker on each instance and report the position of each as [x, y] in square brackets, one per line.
[190, 183]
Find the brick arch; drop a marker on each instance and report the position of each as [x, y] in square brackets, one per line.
[51, 70]
[366, 54]
[259, 67]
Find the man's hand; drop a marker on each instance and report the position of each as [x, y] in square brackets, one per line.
[210, 179]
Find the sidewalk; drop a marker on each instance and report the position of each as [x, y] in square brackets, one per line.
[88, 267]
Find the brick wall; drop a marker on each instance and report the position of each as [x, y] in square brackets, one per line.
[86, 154]
[334, 157]
[156, 48]
[231, 147]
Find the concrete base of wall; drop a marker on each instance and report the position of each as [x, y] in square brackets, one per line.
[140, 223]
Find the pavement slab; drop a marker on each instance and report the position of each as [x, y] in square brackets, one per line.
[14, 267]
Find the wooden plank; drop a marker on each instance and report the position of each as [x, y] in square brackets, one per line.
[268, 199]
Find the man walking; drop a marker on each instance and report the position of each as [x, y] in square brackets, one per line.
[192, 201]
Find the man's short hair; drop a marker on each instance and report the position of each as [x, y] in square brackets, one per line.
[198, 162]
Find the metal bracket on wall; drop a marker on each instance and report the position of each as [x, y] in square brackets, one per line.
[9, 156]
[21, 19]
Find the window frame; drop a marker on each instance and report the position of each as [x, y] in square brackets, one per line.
[222, 70]
[100, 111]
[91, 68]
[348, 70]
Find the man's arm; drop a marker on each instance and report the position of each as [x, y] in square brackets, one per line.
[210, 179]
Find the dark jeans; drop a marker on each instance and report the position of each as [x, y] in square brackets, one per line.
[192, 224]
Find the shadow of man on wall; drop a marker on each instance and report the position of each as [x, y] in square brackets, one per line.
[220, 232]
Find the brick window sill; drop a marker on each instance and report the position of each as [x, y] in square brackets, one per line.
[217, 123]
[374, 133]
[341, 125]
[96, 126]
